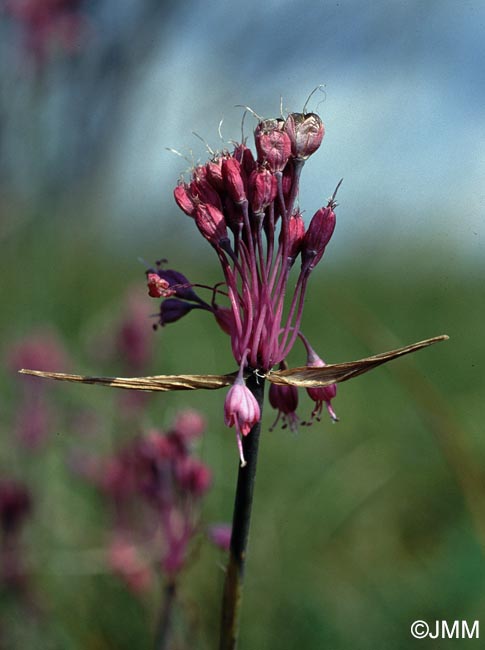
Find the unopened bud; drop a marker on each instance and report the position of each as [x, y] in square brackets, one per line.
[184, 199]
[273, 144]
[233, 180]
[317, 237]
[263, 189]
[202, 188]
[173, 309]
[224, 318]
[306, 133]
[244, 155]
[220, 535]
[210, 222]
[295, 234]
[189, 424]
[214, 174]
[193, 476]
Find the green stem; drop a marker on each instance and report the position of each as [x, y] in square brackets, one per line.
[233, 586]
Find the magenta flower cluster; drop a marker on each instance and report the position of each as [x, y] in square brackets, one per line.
[154, 485]
[246, 206]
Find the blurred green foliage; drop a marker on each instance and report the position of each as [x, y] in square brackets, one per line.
[359, 527]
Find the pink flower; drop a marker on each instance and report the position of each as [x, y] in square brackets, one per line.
[125, 560]
[154, 486]
[220, 535]
[133, 339]
[285, 400]
[241, 410]
[35, 417]
[322, 395]
[189, 424]
[193, 476]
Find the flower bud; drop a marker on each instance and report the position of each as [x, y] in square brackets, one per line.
[125, 560]
[285, 400]
[214, 174]
[193, 476]
[273, 144]
[244, 155]
[263, 188]
[184, 199]
[317, 237]
[295, 234]
[220, 535]
[233, 180]
[189, 424]
[323, 393]
[173, 309]
[201, 188]
[306, 133]
[224, 318]
[210, 222]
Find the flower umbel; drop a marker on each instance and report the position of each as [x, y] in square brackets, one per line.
[246, 207]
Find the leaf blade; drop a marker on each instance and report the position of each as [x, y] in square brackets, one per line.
[307, 377]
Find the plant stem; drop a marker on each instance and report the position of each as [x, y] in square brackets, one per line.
[233, 586]
[164, 627]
